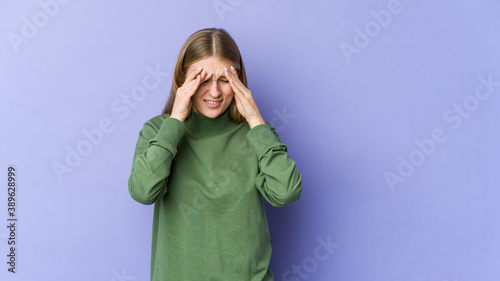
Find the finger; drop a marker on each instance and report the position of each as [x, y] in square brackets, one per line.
[234, 74]
[206, 77]
[229, 74]
[233, 70]
[236, 90]
[238, 99]
[189, 88]
[200, 78]
[192, 77]
[194, 82]
[196, 72]
[204, 74]
[231, 78]
[235, 81]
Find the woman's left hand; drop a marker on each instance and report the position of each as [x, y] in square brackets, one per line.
[244, 100]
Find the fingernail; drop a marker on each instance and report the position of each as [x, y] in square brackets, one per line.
[225, 69]
[198, 76]
[232, 67]
[203, 71]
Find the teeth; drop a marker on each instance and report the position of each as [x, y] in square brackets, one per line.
[213, 102]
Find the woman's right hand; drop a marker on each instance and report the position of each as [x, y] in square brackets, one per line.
[182, 103]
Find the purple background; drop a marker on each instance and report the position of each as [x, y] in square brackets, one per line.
[350, 120]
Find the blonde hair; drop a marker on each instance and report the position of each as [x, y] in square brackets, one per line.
[202, 44]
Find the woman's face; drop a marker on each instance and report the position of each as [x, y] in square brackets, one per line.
[215, 94]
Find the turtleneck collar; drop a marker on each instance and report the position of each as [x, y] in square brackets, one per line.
[202, 125]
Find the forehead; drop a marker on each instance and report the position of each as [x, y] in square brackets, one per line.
[211, 64]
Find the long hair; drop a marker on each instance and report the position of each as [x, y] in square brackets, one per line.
[202, 44]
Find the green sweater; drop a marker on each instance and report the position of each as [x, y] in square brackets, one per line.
[206, 178]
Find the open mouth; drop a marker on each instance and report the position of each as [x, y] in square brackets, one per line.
[212, 103]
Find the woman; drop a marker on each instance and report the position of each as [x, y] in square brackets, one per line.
[205, 164]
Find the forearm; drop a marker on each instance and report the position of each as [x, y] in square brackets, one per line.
[279, 180]
[256, 121]
[153, 158]
[150, 170]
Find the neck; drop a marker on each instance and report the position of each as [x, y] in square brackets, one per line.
[202, 125]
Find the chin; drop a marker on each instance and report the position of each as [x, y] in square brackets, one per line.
[211, 113]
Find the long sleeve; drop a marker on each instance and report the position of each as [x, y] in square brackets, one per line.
[154, 152]
[278, 180]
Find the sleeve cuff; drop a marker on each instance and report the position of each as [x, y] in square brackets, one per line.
[170, 133]
[262, 138]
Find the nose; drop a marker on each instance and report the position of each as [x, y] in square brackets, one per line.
[214, 89]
